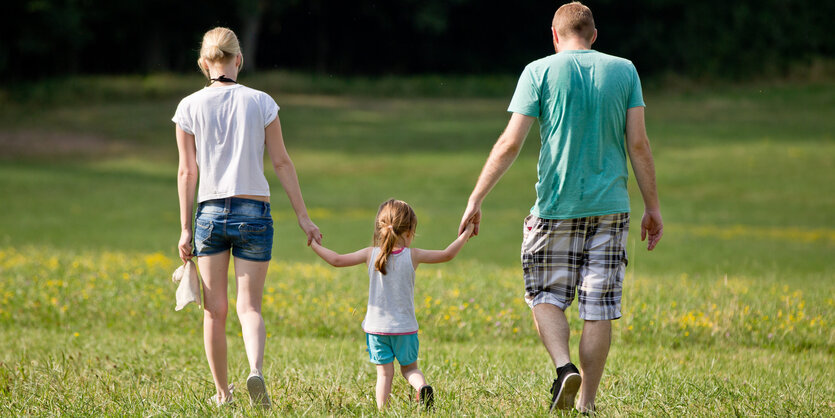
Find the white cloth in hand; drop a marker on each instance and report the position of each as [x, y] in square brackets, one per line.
[189, 289]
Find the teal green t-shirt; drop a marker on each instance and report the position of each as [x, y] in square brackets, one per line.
[580, 98]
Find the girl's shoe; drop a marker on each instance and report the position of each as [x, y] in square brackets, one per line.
[257, 390]
[426, 397]
[216, 402]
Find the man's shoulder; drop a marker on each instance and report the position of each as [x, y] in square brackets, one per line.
[603, 57]
[557, 59]
[541, 62]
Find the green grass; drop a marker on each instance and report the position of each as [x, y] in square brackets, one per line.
[731, 315]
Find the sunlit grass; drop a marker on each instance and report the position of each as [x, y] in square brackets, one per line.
[731, 315]
[111, 322]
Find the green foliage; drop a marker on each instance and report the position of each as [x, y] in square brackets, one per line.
[707, 39]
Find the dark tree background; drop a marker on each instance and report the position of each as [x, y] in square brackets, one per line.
[706, 38]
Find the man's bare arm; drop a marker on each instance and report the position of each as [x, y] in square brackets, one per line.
[640, 155]
[501, 158]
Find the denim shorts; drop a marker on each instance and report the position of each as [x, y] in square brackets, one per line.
[243, 225]
[383, 349]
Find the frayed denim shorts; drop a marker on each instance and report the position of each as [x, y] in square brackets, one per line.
[243, 225]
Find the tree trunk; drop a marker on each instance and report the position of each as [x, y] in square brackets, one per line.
[251, 13]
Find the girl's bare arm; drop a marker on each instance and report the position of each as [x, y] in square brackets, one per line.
[341, 260]
[441, 256]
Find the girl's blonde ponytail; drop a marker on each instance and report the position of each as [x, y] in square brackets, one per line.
[387, 241]
[394, 218]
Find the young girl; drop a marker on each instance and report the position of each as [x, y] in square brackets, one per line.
[390, 324]
[222, 132]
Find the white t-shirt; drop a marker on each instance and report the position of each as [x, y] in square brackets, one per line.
[228, 126]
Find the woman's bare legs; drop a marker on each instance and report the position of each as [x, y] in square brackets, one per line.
[251, 276]
[214, 270]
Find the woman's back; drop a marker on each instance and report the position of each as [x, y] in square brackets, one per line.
[228, 126]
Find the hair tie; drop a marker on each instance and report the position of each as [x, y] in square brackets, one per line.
[390, 227]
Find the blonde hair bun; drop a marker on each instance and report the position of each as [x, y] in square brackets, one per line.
[219, 45]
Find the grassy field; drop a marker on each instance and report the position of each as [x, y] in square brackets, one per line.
[731, 315]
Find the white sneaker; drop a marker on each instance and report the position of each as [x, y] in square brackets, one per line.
[257, 390]
[216, 402]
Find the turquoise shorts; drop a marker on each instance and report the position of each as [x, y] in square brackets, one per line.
[383, 349]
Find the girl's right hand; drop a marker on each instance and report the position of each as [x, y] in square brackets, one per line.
[469, 230]
[185, 246]
[472, 216]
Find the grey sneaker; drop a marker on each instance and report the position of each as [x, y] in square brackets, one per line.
[565, 387]
[257, 390]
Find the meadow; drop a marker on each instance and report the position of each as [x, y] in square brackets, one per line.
[731, 315]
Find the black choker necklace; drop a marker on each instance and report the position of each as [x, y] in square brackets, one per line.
[222, 79]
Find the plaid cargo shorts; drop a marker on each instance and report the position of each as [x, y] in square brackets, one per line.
[560, 256]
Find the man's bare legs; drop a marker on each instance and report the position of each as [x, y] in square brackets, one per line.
[594, 348]
[251, 276]
[552, 326]
[214, 270]
[554, 332]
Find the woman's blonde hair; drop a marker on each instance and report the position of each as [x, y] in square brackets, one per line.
[394, 219]
[219, 45]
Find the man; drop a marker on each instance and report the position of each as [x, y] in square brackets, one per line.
[591, 113]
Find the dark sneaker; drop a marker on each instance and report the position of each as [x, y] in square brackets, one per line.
[426, 396]
[257, 390]
[565, 387]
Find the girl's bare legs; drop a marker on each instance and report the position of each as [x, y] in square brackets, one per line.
[251, 276]
[214, 270]
[385, 374]
[413, 375]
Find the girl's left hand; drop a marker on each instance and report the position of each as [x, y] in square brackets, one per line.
[311, 230]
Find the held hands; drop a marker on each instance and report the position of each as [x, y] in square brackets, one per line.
[652, 227]
[468, 231]
[311, 230]
[471, 218]
[184, 245]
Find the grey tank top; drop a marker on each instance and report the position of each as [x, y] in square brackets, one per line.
[391, 296]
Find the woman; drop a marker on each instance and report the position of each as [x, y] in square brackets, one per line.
[222, 131]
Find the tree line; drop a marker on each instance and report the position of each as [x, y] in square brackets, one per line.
[706, 38]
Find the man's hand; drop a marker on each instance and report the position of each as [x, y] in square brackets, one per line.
[471, 216]
[652, 227]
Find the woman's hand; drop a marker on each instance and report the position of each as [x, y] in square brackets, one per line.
[185, 246]
[311, 230]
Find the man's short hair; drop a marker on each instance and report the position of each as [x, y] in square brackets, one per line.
[574, 19]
